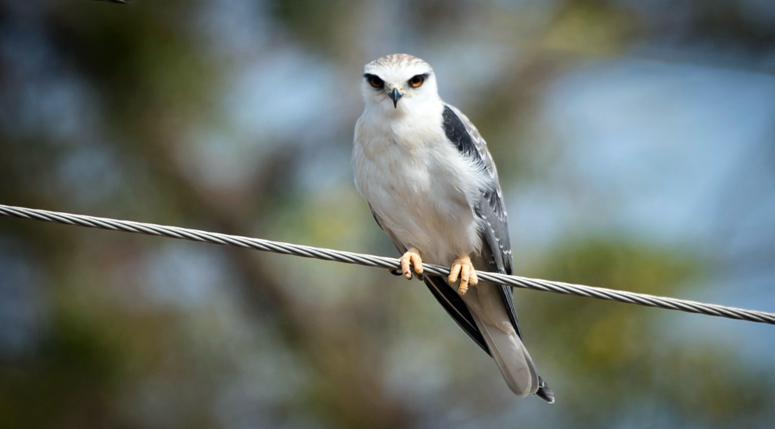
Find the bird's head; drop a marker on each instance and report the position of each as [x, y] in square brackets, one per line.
[398, 82]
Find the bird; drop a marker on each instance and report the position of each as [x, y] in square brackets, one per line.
[432, 187]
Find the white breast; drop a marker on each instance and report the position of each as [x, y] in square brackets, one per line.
[421, 188]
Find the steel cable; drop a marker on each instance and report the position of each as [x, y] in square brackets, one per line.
[384, 262]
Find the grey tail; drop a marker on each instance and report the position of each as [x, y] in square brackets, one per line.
[544, 391]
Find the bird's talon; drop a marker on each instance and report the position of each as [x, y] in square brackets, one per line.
[411, 259]
[463, 269]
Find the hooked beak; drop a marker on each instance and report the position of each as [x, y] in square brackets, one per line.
[395, 96]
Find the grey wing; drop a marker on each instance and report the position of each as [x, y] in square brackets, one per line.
[447, 297]
[495, 233]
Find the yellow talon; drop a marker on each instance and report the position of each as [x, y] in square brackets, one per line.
[411, 259]
[464, 269]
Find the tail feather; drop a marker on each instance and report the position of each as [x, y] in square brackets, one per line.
[513, 359]
[506, 347]
[544, 391]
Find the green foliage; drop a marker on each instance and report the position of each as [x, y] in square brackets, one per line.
[71, 380]
[620, 355]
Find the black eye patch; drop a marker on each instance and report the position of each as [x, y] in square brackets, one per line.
[417, 80]
[374, 81]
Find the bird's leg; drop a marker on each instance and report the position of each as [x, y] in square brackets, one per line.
[411, 259]
[463, 268]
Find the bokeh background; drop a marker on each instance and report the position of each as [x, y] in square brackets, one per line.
[636, 147]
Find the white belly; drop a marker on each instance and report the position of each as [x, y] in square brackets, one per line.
[421, 196]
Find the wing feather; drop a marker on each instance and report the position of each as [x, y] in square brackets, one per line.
[495, 229]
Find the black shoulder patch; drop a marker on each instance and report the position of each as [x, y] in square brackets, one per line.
[456, 133]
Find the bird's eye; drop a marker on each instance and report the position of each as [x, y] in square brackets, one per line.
[375, 82]
[416, 81]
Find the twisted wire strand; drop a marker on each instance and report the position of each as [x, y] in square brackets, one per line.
[384, 262]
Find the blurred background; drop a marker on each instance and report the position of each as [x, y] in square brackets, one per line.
[636, 147]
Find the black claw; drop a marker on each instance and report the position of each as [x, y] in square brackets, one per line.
[396, 272]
